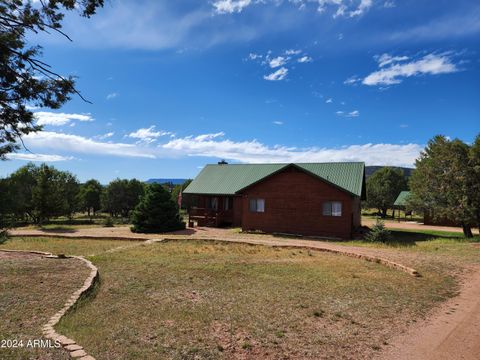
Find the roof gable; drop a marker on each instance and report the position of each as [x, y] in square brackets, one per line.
[230, 179]
[402, 198]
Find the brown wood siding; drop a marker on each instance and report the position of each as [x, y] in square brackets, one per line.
[237, 211]
[294, 204]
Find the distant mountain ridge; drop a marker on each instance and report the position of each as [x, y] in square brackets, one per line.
[166, 181]
[369, 170]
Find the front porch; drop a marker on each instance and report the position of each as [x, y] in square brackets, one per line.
[211, 211]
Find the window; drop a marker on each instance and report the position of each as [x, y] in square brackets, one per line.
[226, 203]
[257, 205]
[332, 208]
[212, 203]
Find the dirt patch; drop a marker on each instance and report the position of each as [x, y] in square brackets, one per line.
[33, 288]
[452, 332]
[415, 226]
[13, 255]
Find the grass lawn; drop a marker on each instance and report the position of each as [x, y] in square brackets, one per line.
[196, 299]
[188, 299]
[57, 246]
[32, 289]
[429, 251]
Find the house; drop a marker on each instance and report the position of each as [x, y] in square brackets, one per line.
[428, 215]
[319, 199]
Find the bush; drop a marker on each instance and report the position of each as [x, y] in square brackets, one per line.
[156, 212]
[379, 233]
[108, 222]
[3, 236]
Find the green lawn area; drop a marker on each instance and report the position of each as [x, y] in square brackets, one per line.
[187, 299]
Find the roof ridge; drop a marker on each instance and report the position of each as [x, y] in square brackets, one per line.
[288, 163]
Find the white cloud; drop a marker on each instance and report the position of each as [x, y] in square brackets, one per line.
[277, 62]
[59, 119]
[386, 59]
[112, 96]
[278, 75]
[352, 80]
[148, 134]
[256, 152]
[79, 144]
[105, 136]
[305, 59]
[350, 8]
[362, 7]
[389, 4]
[253, 56]
[293, 52]
[208, 137]
[230, 6]
[430, 64]
[38, 157]
[449, 26]
[288, 56]
[216, 146]
[354, 113]
[277, 122]
[329, 100]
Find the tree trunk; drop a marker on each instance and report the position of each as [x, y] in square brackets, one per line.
[384, 213]
[467, 231]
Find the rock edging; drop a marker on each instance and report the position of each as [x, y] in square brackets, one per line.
[75, 350]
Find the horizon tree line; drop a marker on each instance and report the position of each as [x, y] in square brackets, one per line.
[36, 194]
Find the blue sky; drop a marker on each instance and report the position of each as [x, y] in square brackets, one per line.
[178, 84]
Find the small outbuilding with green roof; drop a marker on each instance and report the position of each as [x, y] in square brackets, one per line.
[320, 199]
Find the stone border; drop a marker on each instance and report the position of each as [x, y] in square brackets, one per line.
[378, 260]
[81, 237]
[75, 351]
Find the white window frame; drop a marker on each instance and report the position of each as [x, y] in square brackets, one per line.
[332, 208]
[256, 205]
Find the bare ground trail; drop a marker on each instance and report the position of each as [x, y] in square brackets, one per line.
[451, 333]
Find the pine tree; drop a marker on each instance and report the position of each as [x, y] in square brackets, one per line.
[156, 212]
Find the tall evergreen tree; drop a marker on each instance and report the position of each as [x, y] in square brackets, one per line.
[157, 212]
[444, 182]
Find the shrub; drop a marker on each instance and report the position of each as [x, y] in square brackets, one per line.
[3, 236]
[156, 212]
[108, 222]
[378, 233]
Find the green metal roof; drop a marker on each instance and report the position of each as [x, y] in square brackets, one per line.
[229, 179]
[402, 198]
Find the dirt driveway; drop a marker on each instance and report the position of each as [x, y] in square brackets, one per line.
[411, 225]
[452, 333]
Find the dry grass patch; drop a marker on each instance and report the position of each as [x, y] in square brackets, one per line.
[206, 300]
[32, 289]
[83, 247]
